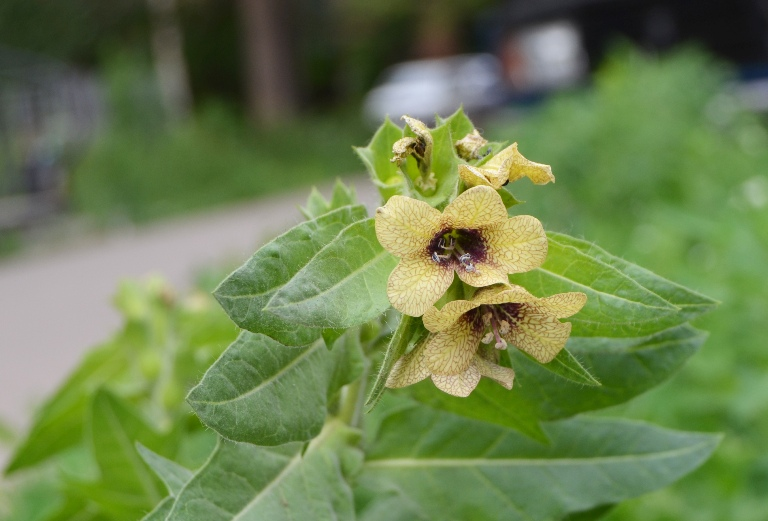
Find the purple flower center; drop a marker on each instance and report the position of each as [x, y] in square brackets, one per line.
[460, 248]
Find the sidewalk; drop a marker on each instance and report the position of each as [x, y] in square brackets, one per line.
[54, 307]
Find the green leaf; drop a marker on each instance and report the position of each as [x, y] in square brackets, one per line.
[625, 367]
[344, 285]
[247, 290]
[171, 473]
[127, 487]
[396, 348]
[243, 481]
[262, 392]
[568, 367]
[161, 511]
[508, 199]
[376, 157]
[445, 164]
[622, 299]
[458, 124]
[60, 422]
[317, 205]
[424, 464]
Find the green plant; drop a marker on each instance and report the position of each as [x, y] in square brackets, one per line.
[304, 428]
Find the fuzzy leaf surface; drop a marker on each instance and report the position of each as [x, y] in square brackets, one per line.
[249, 483]
[623, 300]
[265, 393]
[625, 368]
[171, 473]
[245, 292]
[424, 464]
[344, 285]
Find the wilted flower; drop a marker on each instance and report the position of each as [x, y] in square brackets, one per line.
[470, 146]
[506, 166]
[420, 146]
[473, 237]
[453, 355]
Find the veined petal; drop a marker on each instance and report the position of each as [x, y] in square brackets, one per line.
[476, 208]
[540, 335]
[451, 351]
[461, 384]
[500, 157]
[502, 375]
[404, 225]
[503, 294]
[484, 274]
[517, 166]
[474, 176]
[439, 320]
[416, 283]
[562, 305]
[518, 244]
[409, 369]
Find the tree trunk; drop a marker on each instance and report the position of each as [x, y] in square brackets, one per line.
[270, 78]
[168, 52]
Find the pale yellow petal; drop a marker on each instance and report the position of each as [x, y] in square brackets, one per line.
[483, 274]
[469, 146]
[503, 294]
[422, 131]
[439, 320]
[416, 283]
[518, 244]
[450, 351]
[405, 226]
[461, 384]
[502, 375]
[518, 166]
[563, 305]
[478, 207]
[409, 369]
[540, 335]
[500, 157]
[474, 176]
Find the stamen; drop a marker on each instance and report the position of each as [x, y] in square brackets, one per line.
[504, 327]
[500, 343]
[488, 338]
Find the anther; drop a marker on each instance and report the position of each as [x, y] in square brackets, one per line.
[488, 338]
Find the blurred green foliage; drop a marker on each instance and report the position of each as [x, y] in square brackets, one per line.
[79, 461]
[142, 168]
[658, 162]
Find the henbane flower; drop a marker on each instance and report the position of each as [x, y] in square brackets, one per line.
[453, 355]
[473, 237]
[507, 166]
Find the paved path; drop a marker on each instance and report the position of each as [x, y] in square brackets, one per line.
[54, 306]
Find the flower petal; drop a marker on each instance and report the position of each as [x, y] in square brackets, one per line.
[562, 305]
[500, 157]
[518, 244]
[478, 207]
[502, 375]
[451, 351]
[439, 320]
[461, 384]
[483, 274]
[474, 176]
[540, 335]
[518, 166]
[404, 225]
[409, 369]
[416, 283]
[503, 294]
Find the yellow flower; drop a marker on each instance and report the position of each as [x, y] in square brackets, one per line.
[453, 356]
[473, 237]
[506, 166]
